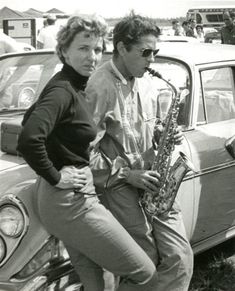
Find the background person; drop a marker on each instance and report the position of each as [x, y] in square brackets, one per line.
[123, 103]
[45, 24]
[178, 29]
[187, 29]
[228, 30]
[47, 36]
[193, 23]
[55, 141]
[200, 33]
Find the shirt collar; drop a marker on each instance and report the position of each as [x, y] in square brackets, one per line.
[122, 79]
[118, 73]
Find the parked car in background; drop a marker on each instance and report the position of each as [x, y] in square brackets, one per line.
[32, 259]
[10, 45]
[26, 46]
[213, 36]
[177, 38]
[161, 38]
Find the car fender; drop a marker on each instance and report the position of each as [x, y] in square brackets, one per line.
[35, 236]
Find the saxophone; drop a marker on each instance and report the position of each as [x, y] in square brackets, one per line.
[171, 175]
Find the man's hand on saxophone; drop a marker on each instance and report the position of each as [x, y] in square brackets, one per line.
[178, 136]
[159, 129]
[144, 179]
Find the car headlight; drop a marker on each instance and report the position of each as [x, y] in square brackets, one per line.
[11, 221]
[14, 223]
[2, 249]
[26, 97]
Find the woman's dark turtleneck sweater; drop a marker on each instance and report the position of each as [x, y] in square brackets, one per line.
[58, 129]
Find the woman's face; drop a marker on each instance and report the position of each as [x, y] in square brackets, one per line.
[84, 53]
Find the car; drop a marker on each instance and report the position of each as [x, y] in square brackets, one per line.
[202, 80]
[205, 81]
[177, 38]
[161, 38]
[213, 36]
[30, 258]
[25, 46]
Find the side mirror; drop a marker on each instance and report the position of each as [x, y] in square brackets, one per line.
[230, 146]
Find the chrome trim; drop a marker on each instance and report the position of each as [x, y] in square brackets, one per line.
[11, 199]
[209, 170]
[60, 272]
[207, 243]
[15, 207]
[41, 270]
[5, 249]
[35, 284]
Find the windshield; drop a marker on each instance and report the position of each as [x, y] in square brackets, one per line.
[178, 75]
[23, 77]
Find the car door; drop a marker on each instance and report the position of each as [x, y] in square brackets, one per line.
[214, 116]
[178, 74]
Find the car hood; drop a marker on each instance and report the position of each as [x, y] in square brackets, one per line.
[8, 161]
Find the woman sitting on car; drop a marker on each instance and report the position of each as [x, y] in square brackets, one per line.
[55, 141]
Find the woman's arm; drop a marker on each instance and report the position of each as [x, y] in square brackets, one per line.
[40, 124]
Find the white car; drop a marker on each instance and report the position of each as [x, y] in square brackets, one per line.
[30, 259]
[176, 38]
[25, 46]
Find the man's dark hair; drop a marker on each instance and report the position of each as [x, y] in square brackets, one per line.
[173, 22]
[185, 23]
[131, 28]
[51, 21]
[232, 14]
[199, 26]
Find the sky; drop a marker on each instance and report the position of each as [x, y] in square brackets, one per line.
[114, 8]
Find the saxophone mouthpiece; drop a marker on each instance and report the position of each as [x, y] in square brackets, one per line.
[153, 73]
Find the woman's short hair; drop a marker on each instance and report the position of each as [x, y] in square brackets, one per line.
[78, 23]
[131, 28]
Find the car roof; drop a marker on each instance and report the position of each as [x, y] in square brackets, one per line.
[177, 38]
[197, 53]
[190, 53]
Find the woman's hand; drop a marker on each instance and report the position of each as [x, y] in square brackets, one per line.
[146, 180]
[71, 177]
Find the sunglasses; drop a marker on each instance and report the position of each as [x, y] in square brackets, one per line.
[147, 52]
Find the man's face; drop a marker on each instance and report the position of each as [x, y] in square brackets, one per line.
[175, 25]
[138, 58]
[193, 23]
[227, 20]
[186, 27]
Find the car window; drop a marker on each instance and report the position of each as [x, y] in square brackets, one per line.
[178, 75]
[22, 78]
[217, 96]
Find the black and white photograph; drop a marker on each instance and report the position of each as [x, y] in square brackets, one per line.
[117, 145]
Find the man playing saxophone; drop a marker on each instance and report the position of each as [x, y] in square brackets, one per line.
[124, 107]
